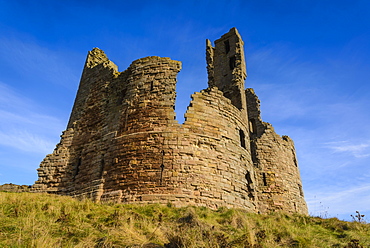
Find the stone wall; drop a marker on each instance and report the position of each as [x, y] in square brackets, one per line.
[123, 143]
[14, 188]
[274, 157]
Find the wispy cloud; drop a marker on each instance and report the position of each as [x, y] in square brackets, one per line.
[285, 84]
[361, 150]
[35, 61]
[28, 121]
[23, 126]
[311, 103]
[26, 141]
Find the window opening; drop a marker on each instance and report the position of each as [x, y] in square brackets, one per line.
[227, 46]
[249, 185]
[264, 179]
[242, 138]
[252, 126]
[232, 62]
[162, 167]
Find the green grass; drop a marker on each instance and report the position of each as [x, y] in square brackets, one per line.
[41, 220]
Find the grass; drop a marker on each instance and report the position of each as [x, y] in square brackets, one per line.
[41, 220]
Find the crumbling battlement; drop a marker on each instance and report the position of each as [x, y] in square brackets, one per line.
[123, 144]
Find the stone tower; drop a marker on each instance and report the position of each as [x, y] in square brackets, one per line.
[226, 67]
[123, 144]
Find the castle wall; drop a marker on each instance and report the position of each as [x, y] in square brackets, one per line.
[126, 130]
[203, 161]
[279, 184]
[123, 144]
[219, 154]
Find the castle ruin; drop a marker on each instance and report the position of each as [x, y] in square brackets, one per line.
[123, 144]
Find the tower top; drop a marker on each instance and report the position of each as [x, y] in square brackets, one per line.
[97, 57]
[226, 66]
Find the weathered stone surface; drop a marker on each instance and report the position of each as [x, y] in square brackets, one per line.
[123, 143]
[9, 187]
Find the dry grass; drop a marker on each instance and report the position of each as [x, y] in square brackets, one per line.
[40, 220]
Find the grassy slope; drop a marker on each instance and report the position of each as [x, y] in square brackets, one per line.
[40, 220]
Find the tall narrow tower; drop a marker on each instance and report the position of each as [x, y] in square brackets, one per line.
[226, 67]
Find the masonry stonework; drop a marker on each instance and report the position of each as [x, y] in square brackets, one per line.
[123, 144]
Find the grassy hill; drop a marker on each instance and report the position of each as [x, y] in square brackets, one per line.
[41, 220]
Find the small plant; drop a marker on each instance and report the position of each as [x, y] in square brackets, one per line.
[358, 217]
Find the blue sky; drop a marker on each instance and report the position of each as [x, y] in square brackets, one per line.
[308, 61]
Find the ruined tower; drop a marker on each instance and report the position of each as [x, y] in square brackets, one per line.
[123, 144]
